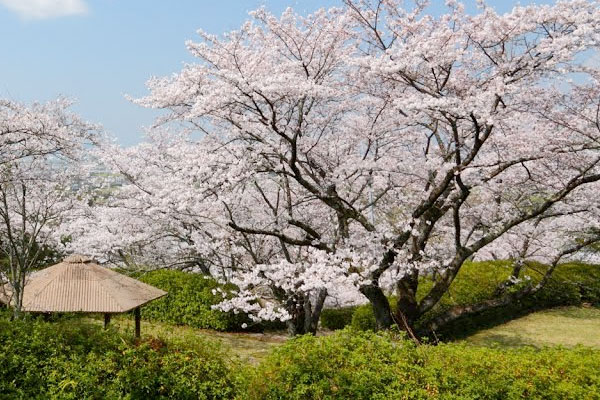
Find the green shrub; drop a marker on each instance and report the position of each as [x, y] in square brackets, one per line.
[355, 365]
[345, 365]
[584, 277]
[363, 318]
[72, 359]
[337, 318]
[151, 369]
[519, 373]
[189, 301]
[29, 348]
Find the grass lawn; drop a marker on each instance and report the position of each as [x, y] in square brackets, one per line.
[565, 326]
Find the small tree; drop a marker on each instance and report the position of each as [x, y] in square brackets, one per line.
[39, 146]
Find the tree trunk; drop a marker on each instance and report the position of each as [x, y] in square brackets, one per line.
[306, 314]
[311, 322]
[460, 311]
[380, 304]
[296, 324]
[138, 318]
[18, 302]
[407, 308]
[292, 329]
[504, 286]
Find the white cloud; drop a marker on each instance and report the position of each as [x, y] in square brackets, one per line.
[42, 9]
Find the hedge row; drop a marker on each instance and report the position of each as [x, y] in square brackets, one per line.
[337, 318]
[572, 284]
[190, 300]
[72, 359]
[355, 365]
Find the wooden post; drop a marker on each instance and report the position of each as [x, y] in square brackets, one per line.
[138, 318]
[106, 320]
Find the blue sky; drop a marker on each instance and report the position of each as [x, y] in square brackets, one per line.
[97, 51]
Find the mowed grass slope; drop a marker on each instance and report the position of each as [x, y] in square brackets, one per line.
[564, 326]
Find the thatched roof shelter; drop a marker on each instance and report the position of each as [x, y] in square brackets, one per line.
[78, 284]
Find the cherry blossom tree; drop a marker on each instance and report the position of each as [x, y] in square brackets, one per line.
[168, 212]
[361, 150]
[154, 208]
[505, 110]
[39, 147]
[266, 210]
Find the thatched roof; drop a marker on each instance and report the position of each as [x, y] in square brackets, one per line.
[78, 284]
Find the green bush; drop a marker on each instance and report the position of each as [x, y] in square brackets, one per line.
[72, 359]
[337, 318]
[355, 365]
[345, 365]
[584, 277]
[30, 348]
[363, 318]
[518, 373]
[189, 301]
[151, 369]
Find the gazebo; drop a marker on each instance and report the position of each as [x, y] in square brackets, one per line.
[78, 284]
